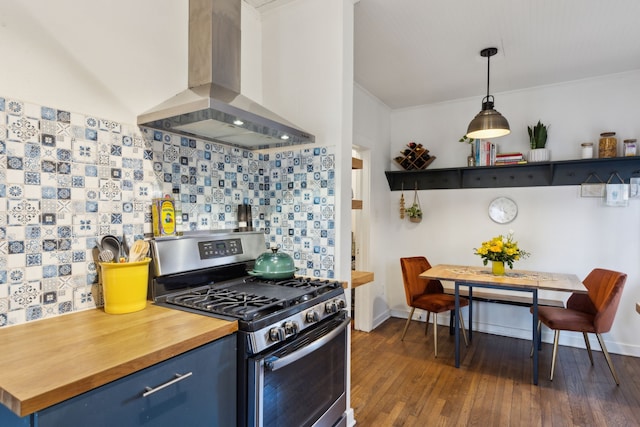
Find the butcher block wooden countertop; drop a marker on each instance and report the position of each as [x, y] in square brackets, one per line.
[48, 361]
[359, 278]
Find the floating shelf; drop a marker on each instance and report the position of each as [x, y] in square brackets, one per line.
[566, 172]
[355, 165]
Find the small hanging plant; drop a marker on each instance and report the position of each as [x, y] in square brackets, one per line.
[414, 212]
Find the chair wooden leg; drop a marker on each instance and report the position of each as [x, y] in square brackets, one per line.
[435, 333]
[555, 353]
[609, 361]
[406, 325]
[586, 342]
[464, 332]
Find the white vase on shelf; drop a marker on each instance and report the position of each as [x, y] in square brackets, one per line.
[539, 155]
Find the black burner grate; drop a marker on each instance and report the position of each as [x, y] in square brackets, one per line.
[318, 285]
[252, 298]
[228, 302]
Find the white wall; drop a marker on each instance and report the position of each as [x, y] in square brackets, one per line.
[371, 124]
[103, 59]
[564, 232]
[307, 63]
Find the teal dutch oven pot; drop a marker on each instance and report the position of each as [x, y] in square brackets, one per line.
[273, 265]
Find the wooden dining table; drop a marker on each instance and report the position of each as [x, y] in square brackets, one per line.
[513, 280]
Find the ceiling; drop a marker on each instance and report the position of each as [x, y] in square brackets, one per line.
[407, 52]
[415, 52]
[263, 5]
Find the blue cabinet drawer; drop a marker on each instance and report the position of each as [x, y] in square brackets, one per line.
[204, 394]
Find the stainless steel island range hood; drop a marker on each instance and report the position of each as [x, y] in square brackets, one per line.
[212, 108]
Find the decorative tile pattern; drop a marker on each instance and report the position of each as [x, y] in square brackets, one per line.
[67, 178]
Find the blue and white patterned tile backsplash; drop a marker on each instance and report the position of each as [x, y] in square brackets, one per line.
[66, 179]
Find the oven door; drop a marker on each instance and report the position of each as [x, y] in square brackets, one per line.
[304, 382]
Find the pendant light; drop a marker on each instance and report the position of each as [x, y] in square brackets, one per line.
[488, 123]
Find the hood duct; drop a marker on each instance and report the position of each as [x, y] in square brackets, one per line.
[213, 108]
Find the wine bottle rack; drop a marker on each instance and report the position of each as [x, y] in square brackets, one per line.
[414, 157]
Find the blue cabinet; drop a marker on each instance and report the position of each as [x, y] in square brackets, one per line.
[197, 388]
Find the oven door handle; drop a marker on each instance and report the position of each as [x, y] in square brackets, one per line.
[274, 363]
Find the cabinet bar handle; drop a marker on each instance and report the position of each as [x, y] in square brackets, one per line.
[179, 377]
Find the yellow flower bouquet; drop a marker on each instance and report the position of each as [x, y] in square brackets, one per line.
[502, 249]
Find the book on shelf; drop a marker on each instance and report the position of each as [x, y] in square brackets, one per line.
[509, 156]
[510, 162]
[485, 152]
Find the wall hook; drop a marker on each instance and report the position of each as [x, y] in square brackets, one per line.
[402, 208]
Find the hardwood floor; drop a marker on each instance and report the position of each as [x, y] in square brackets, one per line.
[400, 383]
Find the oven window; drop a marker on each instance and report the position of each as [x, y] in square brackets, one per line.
[300, 393]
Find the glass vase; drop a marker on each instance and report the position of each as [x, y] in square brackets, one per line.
[497, 268]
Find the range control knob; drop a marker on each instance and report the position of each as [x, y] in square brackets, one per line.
[312, 316]
[331, 307]
[341, 304]
[291, 328]
[277, 334]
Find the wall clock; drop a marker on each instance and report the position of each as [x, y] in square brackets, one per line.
[503, 210]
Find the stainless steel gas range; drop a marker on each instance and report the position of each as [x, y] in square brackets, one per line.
[292, 333]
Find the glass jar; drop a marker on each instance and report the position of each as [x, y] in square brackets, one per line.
[630, 147]
[608, 145]
[587, 150]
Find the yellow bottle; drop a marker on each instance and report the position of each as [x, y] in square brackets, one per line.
[164, 217]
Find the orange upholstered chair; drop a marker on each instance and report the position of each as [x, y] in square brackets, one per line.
[587, 313]
[427, 295]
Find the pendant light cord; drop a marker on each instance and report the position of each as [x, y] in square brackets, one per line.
[488, 71]
[487, 102]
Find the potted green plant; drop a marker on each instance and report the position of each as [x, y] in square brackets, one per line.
[538, 141]
[414, 213]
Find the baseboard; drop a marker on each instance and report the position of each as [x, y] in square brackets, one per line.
[351, 421]
[380, 319]
[569, 339]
